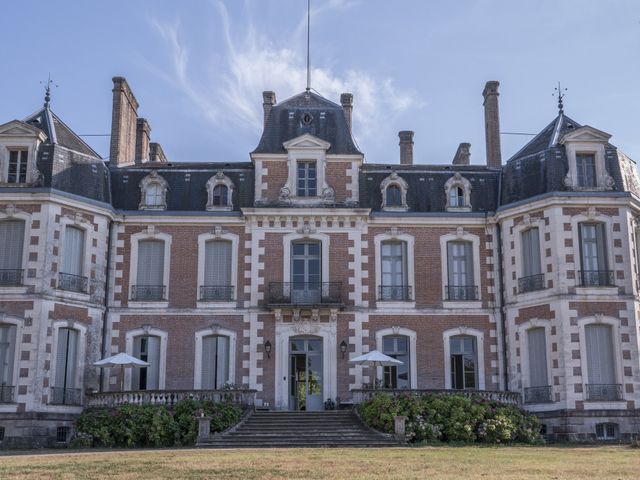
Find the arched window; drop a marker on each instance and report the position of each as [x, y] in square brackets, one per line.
[153, 192]
[147, 349]
[394, 193]
[215, 362]
[397, 376]
[220, 196]
[154, 195]
[219, 192]
[464, 362]
[456, 197]
[394, 196]
[458, 193]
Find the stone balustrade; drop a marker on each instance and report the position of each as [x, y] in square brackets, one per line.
[512, 398]
[169, 397]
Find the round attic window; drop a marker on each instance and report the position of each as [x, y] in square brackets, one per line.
[307, 118]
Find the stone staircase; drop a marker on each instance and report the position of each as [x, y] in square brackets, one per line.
[336, 428]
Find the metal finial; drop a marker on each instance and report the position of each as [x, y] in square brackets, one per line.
[308, 44]
[47, 90]
[559, 93]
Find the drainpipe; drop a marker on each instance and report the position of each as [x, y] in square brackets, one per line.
[503, 317]
[106, 299]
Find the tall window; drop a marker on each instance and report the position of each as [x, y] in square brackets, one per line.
[464, 360]
[7, 355]
[600, 363]
[456, 197]
[397, 376]
[460, 271]
[393, 271]
[532, 277]
[586, 168]
[307, 179]
[394, 196]
[593, 254]
[73, 261]
[146, 348]
[150, 270]
[215, 362]
[306, 273]
[220, 196]
[65, 390]
[218, 284]
[17, 166]
[538, 375]
[11, 242]
[154, 195]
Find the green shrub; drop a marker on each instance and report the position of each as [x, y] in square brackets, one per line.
[451, 418]
[153, 425]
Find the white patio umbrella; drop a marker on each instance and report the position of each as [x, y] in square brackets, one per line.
[122, 360]
[376, 359]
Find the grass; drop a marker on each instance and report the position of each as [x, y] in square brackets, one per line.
[615, 462]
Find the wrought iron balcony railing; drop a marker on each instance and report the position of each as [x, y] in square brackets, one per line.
[11, 278]
[537, 394]
[394, 293]
[305, 294]
[148, 293]
[462, 293]
[72, 283]
[66, 396]
[604, 392]
[220, 293]
[6, 393]
[531, 283]
[596, 278]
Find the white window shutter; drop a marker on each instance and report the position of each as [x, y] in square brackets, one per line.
[531, 252]
[600, 360]
[150, 262]
[73, 254]
[222, 362]
[66, 358]
[217, 266]
[135, 372]
[208, 359]
[12, 241]
[153, 370]
[538, 375]
[7, 353]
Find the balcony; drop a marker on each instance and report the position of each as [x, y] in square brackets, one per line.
[461, 293]
[596, 278]
[7, 393]
[240, 396]
[604, 392]
[11, 278]
[394, 293]
[531, 283]
[148, 293]
[538, 394]
[72, 283]
[361, 395]
[65, 396]
[305, 294]
[216, 293]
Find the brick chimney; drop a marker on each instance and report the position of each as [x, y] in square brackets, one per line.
[124, 116]
[156, 154]
[492, 124]
[268, 101]
[143, 131]
[406, 147]
[463, 155]
[346, 100]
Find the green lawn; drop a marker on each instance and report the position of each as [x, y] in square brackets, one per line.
[615, 462]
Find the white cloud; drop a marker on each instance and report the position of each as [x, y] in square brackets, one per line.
[234, 79]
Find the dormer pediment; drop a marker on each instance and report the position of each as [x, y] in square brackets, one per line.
[586, 134]
[306, 142]
[16, 128]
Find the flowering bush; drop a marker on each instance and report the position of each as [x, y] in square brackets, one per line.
[153, 425]
[451, 418]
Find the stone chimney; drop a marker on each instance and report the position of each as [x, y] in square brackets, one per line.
[346, 100]
[268, 101]
[406, 147]
[156, 154]
[143, 131]
[124, 116]
[492, 124]
[463, 155]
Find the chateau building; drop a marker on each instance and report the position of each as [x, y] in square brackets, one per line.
[271, 274]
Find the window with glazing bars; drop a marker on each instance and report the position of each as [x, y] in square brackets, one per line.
[215, 362]
[17, 166]
[531, 252]
[397, 376]
[464, 360]
[307, 179]
[586, 169]
[592, 246]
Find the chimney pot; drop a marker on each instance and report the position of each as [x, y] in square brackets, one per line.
[268, 101]
[143, 132]
[346, 100]
[406, 147]
[492, 123]
[124, 119]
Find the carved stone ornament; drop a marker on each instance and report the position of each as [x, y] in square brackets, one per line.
[150, 230]
[463, 330]
[393, 232]
[333, 315]
[599, 317]
[146, 329]
[568, 181]
[396, 330]
[11, 210]
[609, 182]
[328, 194]
[526, 220]
[78, 218]
[591, 213]
[285, 195]
[306, 230]
[218, 231]
[459, 232]
[215, 328]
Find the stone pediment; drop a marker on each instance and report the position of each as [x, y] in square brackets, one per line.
[19, 129]
[306, 142]
[586, 134]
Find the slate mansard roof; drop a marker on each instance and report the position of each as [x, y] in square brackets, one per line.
[327, 121]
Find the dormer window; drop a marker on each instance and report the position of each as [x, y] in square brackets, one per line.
[307, 179]
[17, 166]
[586, 170]
[219, 192]
[394, 196]
[586, 151]
[394, 193]
[154, 192]
[456, 197]
[458, 194]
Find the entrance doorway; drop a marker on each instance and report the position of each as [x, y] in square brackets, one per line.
[305, 374]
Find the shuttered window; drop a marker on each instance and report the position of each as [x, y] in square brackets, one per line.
[592, 247]
[66, 358]
[531, 252]
[538, 376]
[456, 197]
[215, 362]
[217, 263]
[393, 263]
[12, 241]
[154, 195]
[7, 354]
[73, 256]
[150, 262]
[586, 169]
[146, 348]
[600, 358]
[460, 263]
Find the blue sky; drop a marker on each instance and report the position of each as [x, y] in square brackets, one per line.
[198, 68]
